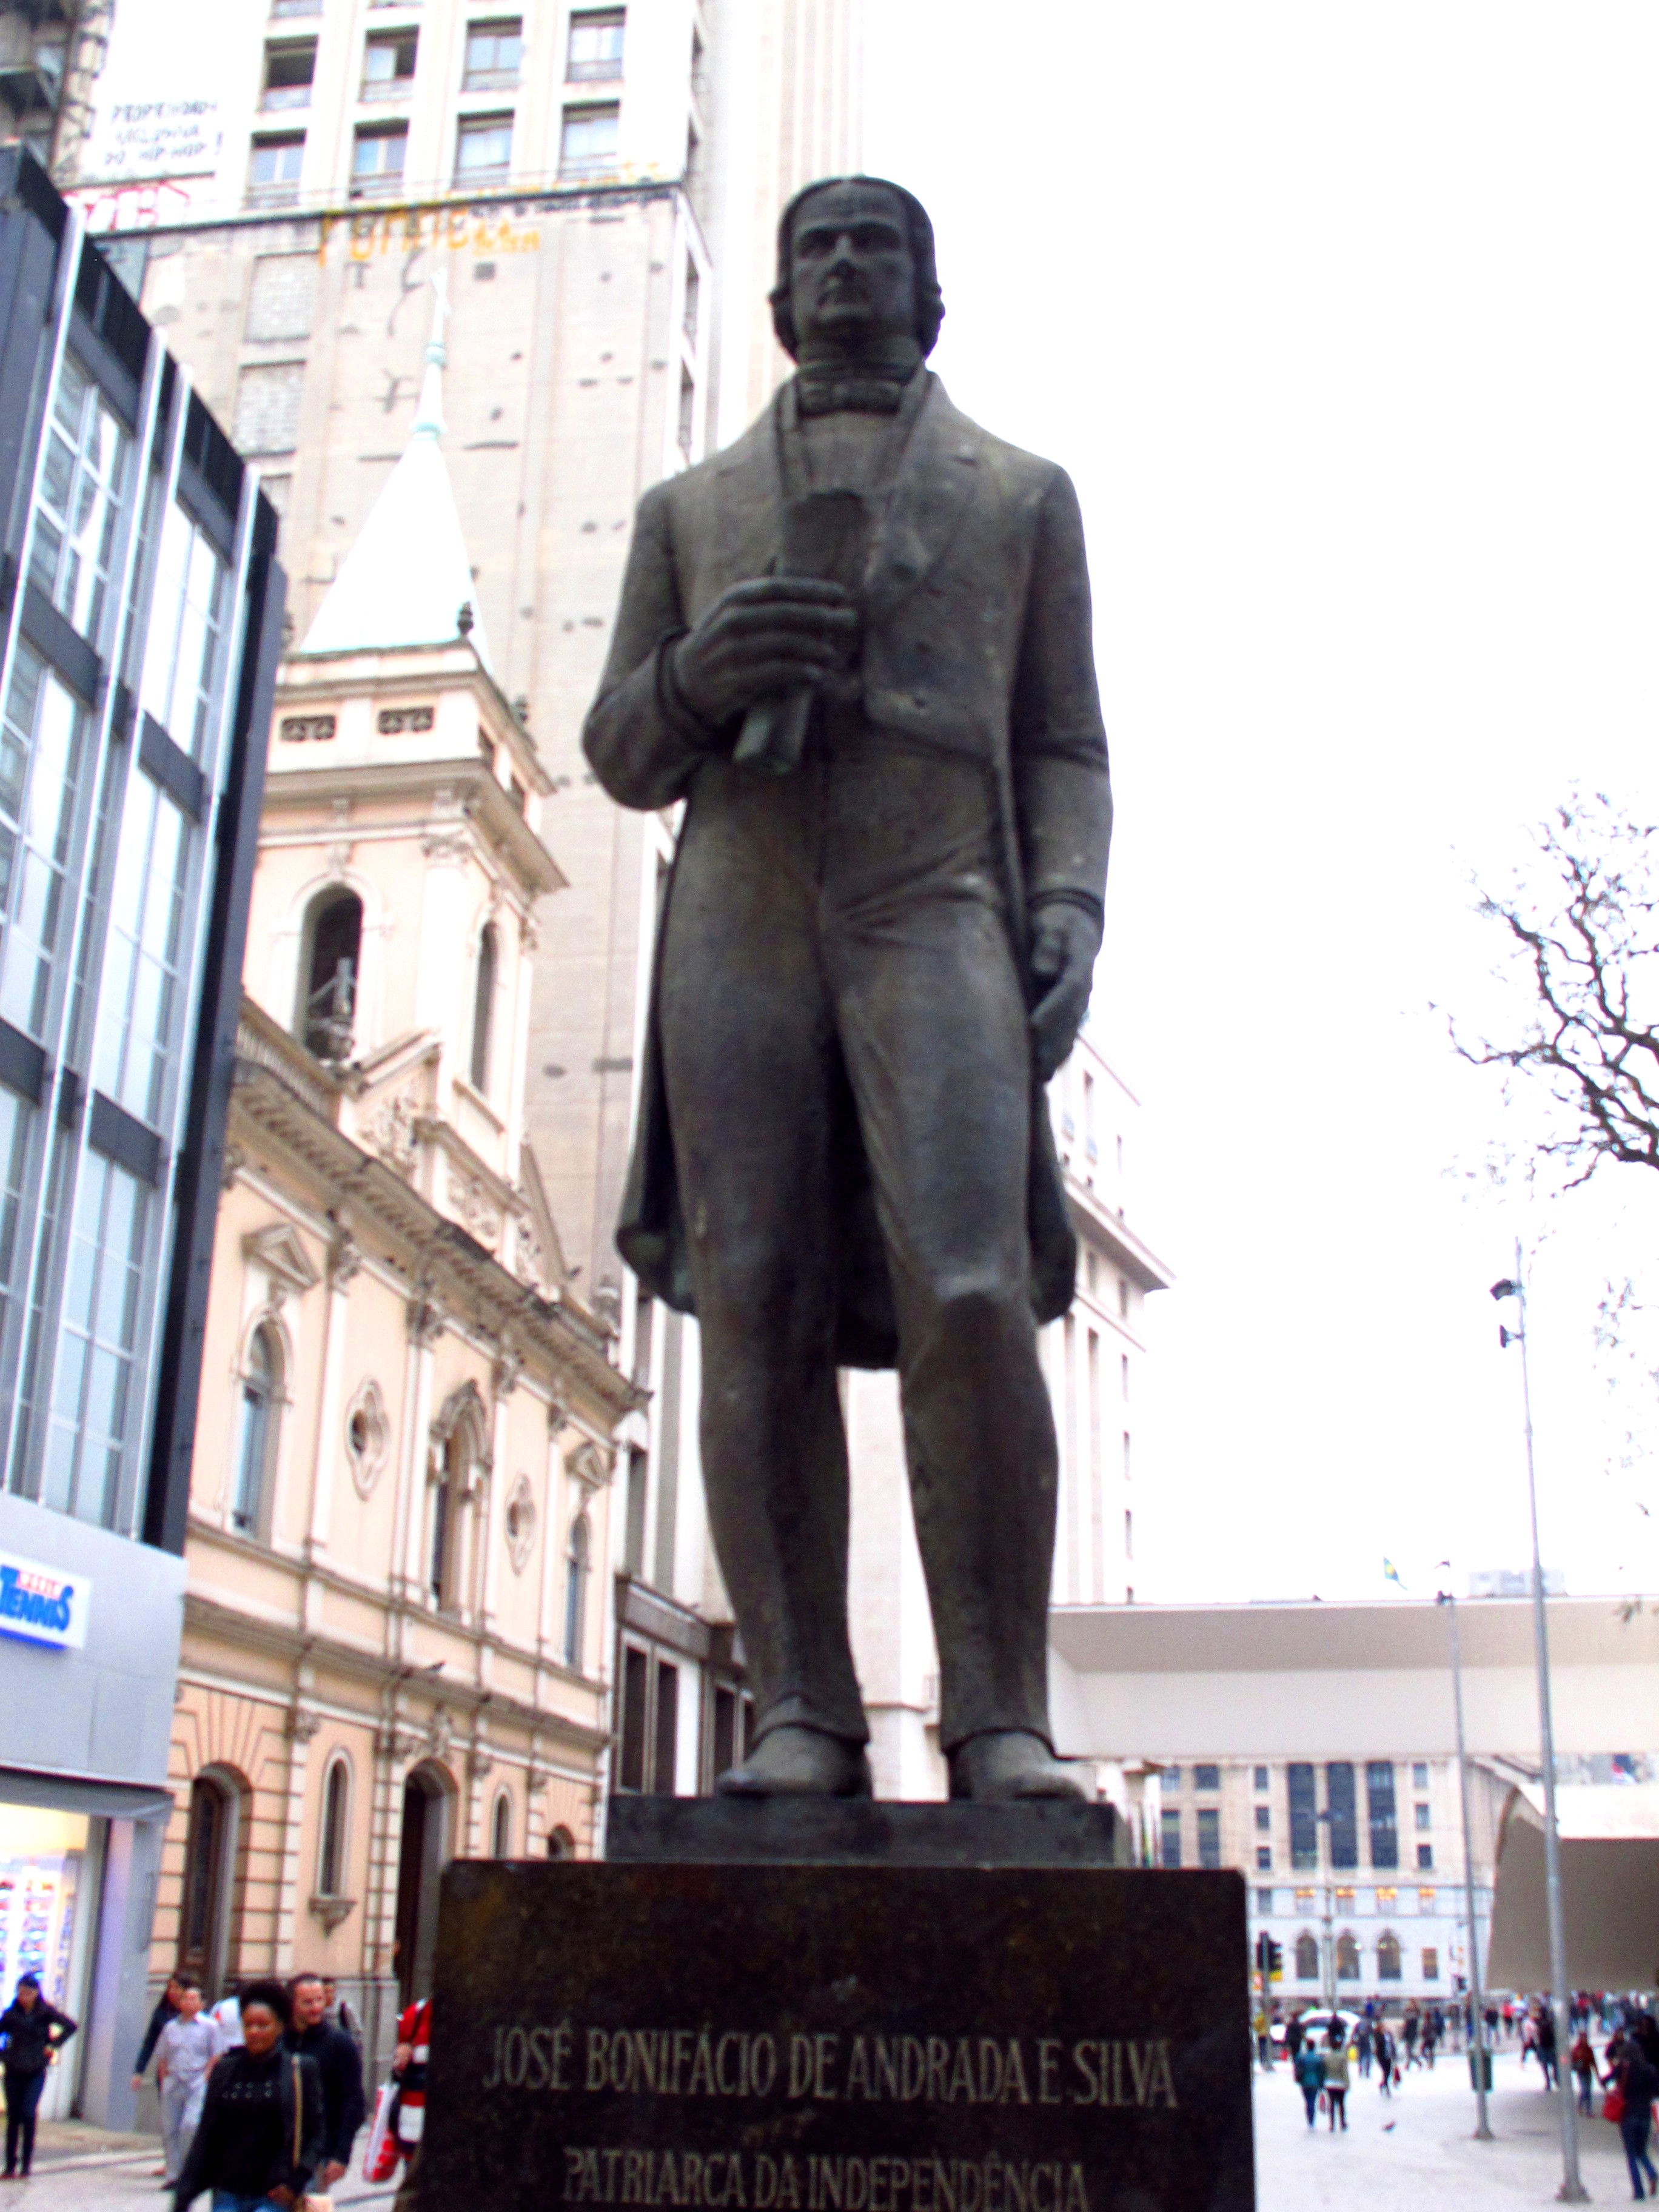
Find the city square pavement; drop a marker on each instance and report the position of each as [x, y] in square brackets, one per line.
[1416, 2149]
[1407, 2154]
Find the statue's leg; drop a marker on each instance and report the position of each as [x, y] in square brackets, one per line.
[749, 1052]
[932, 1023]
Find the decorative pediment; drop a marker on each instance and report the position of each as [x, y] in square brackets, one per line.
[463, 1412]
[591, 1464]
[280, 1250]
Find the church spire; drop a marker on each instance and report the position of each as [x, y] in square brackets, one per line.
[407, 579]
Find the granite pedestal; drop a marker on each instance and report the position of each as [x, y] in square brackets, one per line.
[712, 2020]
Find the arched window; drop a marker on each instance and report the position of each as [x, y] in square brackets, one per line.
[1347, 1957]
[210, 1845]
[1307, 1958]
[331, 1850]
[328, 1000]
[560, 1844]
[458, 1443]
[440, 1562]
[575, 1590]
[255, 1436]
[1387, 1956]
[484, 1007]
[501, 1828]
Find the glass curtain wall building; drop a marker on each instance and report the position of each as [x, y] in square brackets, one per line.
[142, 609]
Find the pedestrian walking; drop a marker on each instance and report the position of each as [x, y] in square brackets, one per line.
[166, 2008]
[409, 2063]
[1336, 2078]
[1638, 2085]
[185, 2053]
[1430, 2036]
[1544, 2035]
[1583, 2059]
[1410, 2028]
[259, 2143]
[340, 2012]
[1364, 2040]
[339, 2069]
[1294, 2033]
[31, 2033]
[1385, 2054]
[1264, 2041]
[1309, 2067]
[227, 2017]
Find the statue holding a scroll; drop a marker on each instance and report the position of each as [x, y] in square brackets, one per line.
[857, 643]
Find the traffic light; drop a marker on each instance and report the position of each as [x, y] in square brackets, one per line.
[1275, 1960]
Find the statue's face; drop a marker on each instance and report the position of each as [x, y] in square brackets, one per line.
[851, 275]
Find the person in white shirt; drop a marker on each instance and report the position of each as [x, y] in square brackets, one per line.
[184, 2052]
[227, 2017]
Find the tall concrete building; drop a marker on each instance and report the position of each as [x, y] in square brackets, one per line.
[601, 185]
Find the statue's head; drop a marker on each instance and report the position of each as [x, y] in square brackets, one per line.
[855, 267]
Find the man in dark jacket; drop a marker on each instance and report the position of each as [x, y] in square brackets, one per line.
[31, 2030]
[339, 2068]
[858, 644]
[1639, 2084]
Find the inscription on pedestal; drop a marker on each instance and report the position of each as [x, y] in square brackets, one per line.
[838, 2039]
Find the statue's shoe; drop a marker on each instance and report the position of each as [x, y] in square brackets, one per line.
[1005, 1764]
[799, 1762]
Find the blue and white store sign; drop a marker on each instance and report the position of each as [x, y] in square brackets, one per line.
[39, 1606]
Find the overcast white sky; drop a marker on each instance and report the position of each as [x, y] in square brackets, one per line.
[1344, 320]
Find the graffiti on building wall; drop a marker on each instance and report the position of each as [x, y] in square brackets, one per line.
[368, 236]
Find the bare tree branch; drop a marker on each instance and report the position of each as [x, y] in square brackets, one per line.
[1583, 931]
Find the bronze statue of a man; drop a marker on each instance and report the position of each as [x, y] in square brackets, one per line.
[857, 644]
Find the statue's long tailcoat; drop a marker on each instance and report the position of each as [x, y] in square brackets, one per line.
[977, 642]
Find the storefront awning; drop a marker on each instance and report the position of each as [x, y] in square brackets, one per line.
[84, 1793]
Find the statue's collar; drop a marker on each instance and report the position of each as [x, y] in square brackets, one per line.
[794, 464]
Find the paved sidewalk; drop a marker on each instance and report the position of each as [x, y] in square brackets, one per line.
[82, 2169]
[1415, 2151]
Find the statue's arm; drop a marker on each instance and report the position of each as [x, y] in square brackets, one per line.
[1062, 790]
[642, 744]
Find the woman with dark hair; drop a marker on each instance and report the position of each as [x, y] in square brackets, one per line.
[26, 2029]
[260, 2138]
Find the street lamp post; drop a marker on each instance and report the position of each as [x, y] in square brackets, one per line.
[1322, 1830]
[1573, 2190]
[1478, 2039]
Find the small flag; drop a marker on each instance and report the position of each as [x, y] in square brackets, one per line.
[1391, 1573]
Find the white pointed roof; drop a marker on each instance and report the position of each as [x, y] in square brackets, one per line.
[407, 577]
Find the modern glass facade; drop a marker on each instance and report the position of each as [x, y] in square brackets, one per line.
[140, 616]
[138, 650]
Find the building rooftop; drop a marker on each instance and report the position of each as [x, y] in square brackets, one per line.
[407, 579]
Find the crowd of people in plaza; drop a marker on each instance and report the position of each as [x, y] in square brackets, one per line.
[1325, 2049]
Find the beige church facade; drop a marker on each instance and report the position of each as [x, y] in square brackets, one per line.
[396, 1631]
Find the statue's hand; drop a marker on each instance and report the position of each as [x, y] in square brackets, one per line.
[1065, 939]
[761, 640]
